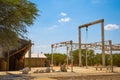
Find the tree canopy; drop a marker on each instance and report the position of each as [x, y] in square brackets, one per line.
[93, 58]
[15, 16]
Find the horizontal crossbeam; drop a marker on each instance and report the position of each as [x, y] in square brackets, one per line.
[91, 23]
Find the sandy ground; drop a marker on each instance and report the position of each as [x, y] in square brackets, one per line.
[79, 73]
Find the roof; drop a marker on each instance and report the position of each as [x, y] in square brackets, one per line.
[36, 55]
[23, 44]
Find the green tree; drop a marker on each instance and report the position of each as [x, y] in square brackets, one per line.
[98, 59]
[107, 59]
[15, 16]
[116, 59]
[75, 57]
[58, 58]
[90, 57]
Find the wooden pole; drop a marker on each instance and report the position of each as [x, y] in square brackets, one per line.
[103, 44]
[111, 58]
[67, 54]
[71, 57]
[8, 59]
[79, 41]
[29, 55]
[102, 38]
[86, 52]
[52, 55]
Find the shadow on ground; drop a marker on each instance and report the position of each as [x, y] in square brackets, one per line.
[10, 76]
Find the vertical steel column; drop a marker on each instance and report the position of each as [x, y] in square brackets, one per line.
[103, 44]
[79, 42]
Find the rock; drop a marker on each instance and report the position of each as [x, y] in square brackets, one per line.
[63, 68]
[48, 69]
[25, 70]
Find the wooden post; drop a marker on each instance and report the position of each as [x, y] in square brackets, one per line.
[103, 44]
[111, 58]
[71, 57]
[86, 52]
[79, 42]
[102, 38]
[8, 59]
[29, 55]
[52, 55]
[67, 55]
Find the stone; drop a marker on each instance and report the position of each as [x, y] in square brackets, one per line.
[63, 68]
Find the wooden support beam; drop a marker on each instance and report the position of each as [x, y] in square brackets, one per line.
[71, 52]
[102, 38]
[51, 64]
[66, 44]
[79, 41]
[111, 58]
[103, 44]
[91, 23]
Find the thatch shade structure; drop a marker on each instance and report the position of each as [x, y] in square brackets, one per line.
[16, 56]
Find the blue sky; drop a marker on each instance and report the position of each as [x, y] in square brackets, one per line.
[59, 21]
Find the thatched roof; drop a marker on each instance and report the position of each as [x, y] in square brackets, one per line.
[14, 50]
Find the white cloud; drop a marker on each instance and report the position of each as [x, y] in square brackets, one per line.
[111, 27]
[63, 14]
[63, 20]
[52, 27]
